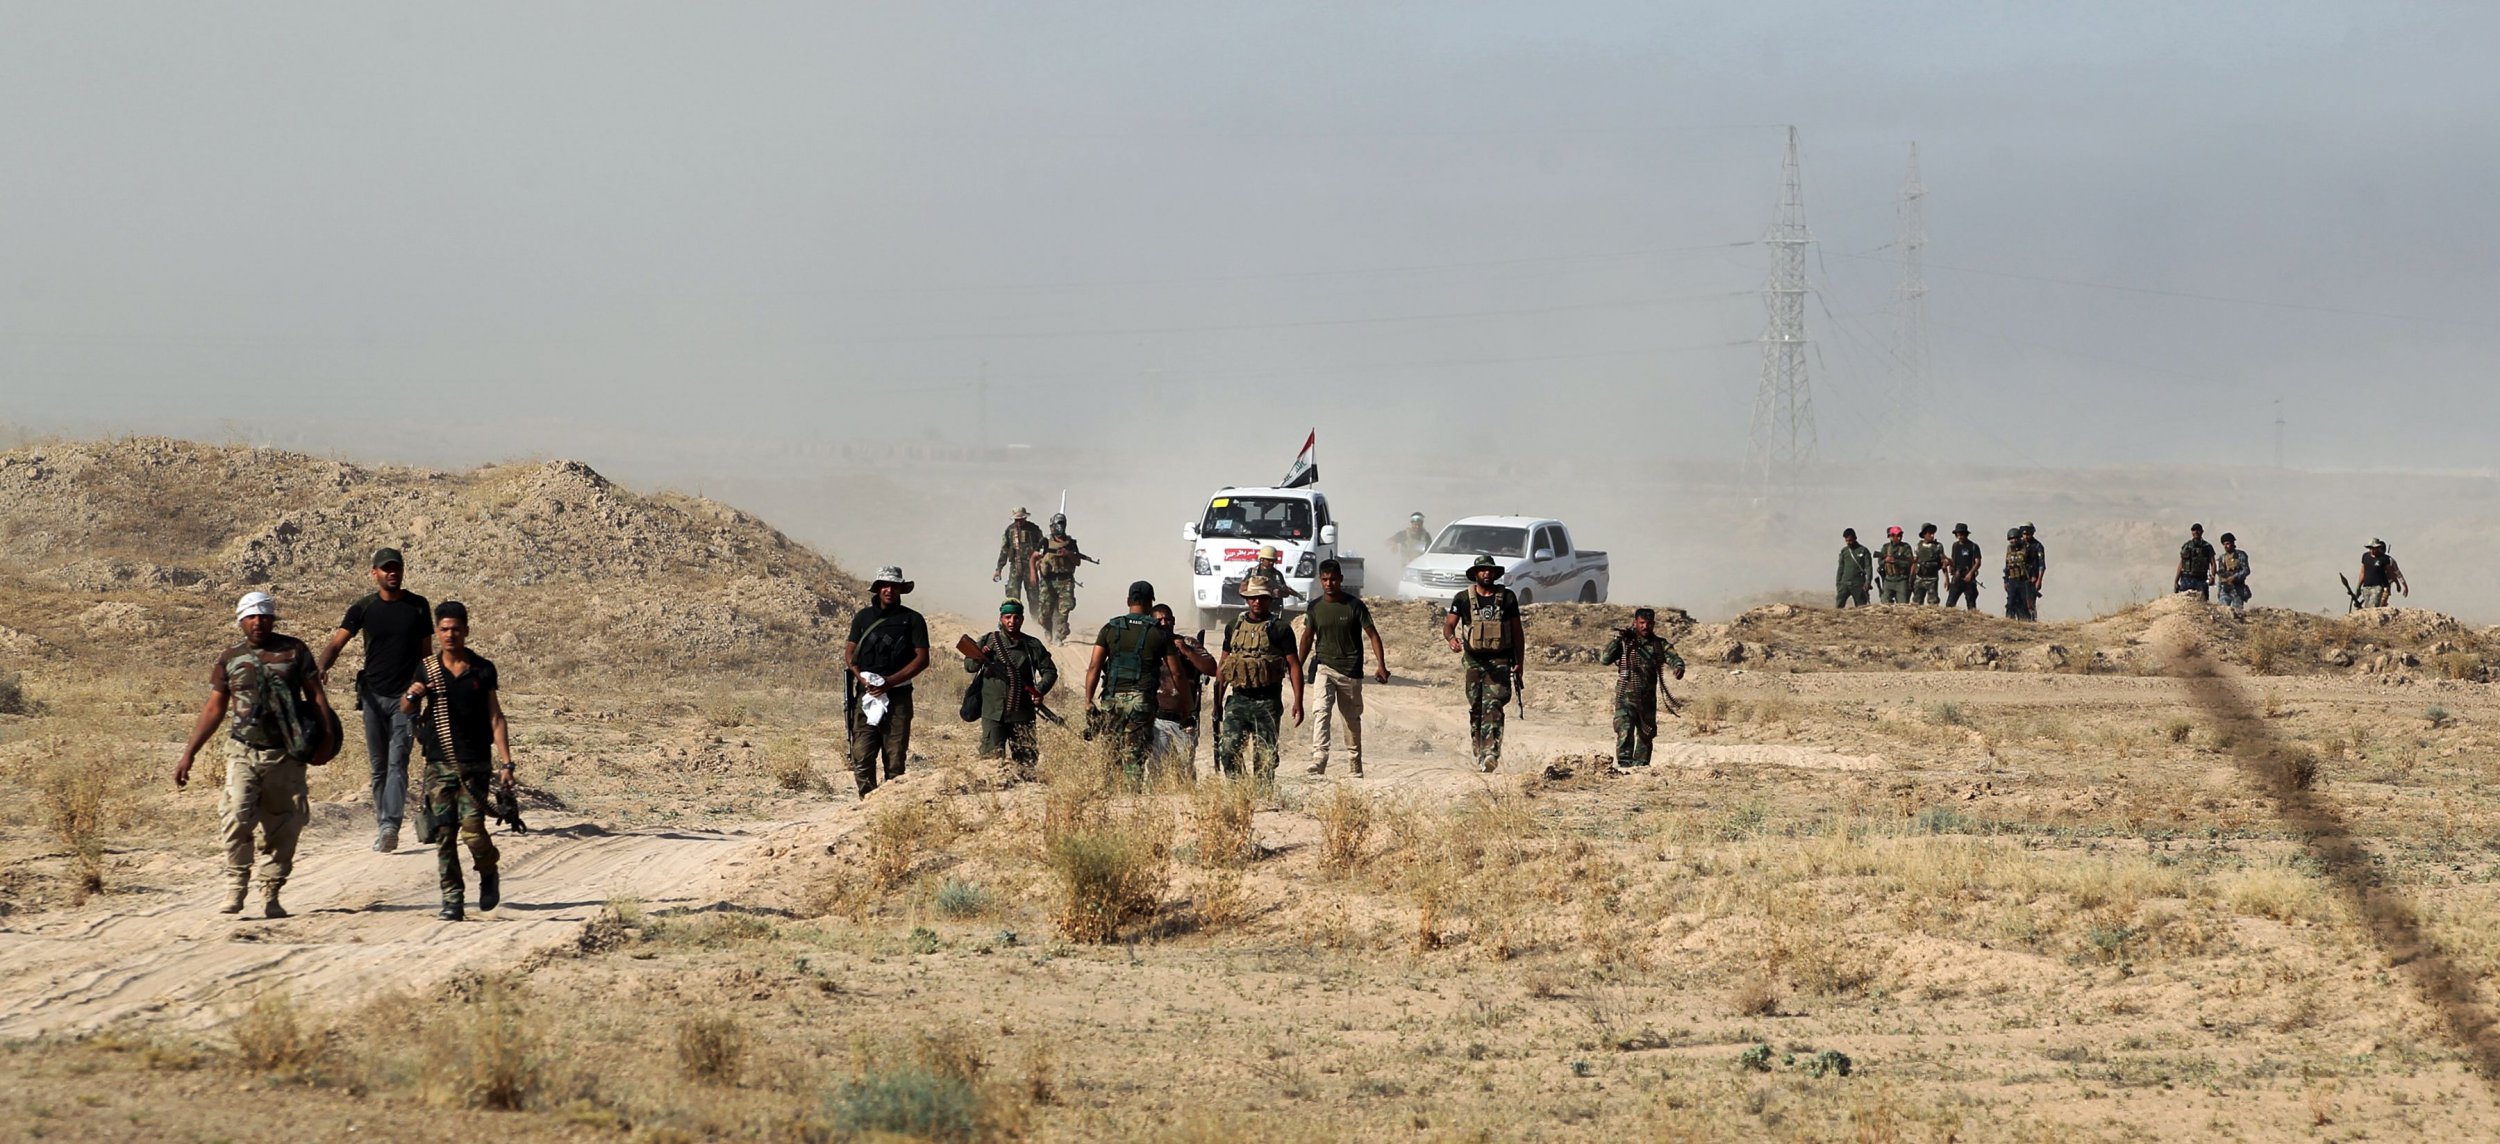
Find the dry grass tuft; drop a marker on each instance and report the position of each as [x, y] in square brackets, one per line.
[1345, 823]
[711, 1048]
[1757, 994]
[2460, 665]
[1708, 713]
[77, 786]
[273, 1035]
[2267, 643]
[722, 708]
[13, 699]
[489, 1055]
[1221, 809]
[791, 770]
[899, 832]
[1113, 867]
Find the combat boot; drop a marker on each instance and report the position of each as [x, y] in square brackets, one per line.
[489, 889]
[269, 907]
[450, 912]
[234, 898]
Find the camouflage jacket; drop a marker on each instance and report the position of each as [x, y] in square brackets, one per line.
[1895, 559]
[1015, 549]
[1639, 662]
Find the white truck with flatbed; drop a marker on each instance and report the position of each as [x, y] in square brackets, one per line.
[1539, 561]
[1225, 542]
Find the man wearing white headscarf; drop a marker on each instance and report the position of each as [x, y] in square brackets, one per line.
[268, 688]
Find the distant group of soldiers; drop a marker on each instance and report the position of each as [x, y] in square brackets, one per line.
[1906, 573]
[1041, 568]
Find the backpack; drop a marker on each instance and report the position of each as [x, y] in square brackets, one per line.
[1251, 658]
[267, 716]
[1126, 667]
[1487, 626]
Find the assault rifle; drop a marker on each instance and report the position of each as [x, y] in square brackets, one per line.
[971, 649]
[505, 808]
[2350, 592]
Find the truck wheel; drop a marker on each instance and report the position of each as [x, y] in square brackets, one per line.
[1527, 596]
[1588, 592]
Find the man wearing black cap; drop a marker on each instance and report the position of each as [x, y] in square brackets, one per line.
[1857, 571]
[398, 626]
[2378, 574]
[2196, 565]
[1926, 566]
[889, 645]
[1131, 653]
[1962, 583]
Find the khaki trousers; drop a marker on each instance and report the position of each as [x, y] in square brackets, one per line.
[264, 790]
[1338, 693]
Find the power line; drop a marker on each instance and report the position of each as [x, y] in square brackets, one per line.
[1783, 438]
[2191, 295]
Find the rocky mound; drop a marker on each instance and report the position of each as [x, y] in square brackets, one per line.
[565, 568]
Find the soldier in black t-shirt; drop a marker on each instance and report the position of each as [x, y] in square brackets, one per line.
[890, 643]
[1962, 570]
[1483, 626]
[457, 703]
[1260, 659]
[398, 627]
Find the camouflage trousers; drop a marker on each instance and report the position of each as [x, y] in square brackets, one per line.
[1636, 726]
[2374, 595]
[1488, 697]
[264, 791]
[1023, 589]
[1923, 590]
[1896, 590]
[1015, 742]
[1055, 599]
[1127, 733]
[1252, 725]
[455, 806]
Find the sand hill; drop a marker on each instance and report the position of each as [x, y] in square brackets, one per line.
[132, 539]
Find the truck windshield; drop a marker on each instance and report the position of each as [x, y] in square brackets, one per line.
[1481, 539]
[1257, 518]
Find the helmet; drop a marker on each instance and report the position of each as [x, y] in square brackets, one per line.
[1482, 563]
[2013, 534]
[1414, 518]
[1059, 518]
[1267, 552]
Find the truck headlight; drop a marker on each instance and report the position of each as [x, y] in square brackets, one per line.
[1414, 576]
[1308, 566]
[1200, 565]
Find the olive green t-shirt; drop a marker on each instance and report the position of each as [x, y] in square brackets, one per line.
[1337, 632]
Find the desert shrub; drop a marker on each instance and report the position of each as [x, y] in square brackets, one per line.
[1756, 995]
[2267, 643]
[1218, 899]
[2437, 715]
[272, 1035]
[1221, 810]
[932, 1092]
[724, 710]
[1947, 713]
[493, 1057]
[1774, 709]
[1709, 712]
[13, 699]
[899, 832]
[2296, 767]
[711, 1048]
[1345, 823]
[2176, 730]
[959, 899]
[790, 767]
[2452, 665]
[1111, 870]
[76, 786]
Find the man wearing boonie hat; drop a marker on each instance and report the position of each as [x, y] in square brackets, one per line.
[1483, 626]
[1259, 660]
[1926, 566]
[889, 644]
[1017, 672]
[2379, 573]
[1016, 549]
[398, 627]
[1962, 577]
[265, 686]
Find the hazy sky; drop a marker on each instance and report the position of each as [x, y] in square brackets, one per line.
[567, 228]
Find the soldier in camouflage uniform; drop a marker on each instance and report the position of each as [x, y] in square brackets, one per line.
[1266, 572]
[1054, 573]
[1926, 566]
[1492, 644]
[457, 703]
[1259, 660]
[1857, 570]
[1640, 658]
[1893, 562]
[266, 685]
[1016, 549]
[1016, 672]
[1130, 656]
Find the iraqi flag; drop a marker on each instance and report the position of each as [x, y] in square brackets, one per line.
[1305, 470]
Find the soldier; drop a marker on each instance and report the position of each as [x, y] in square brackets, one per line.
[1894, 562]
[1412, 541]
[1335, 627]
[889, 645]
[1266, 572]
[1639, 657]
[2232, 575]
[1964, 558]
[1259, 660]
[1016, 549]
[2196, 565]
[1857, 570]
[1017, 673]
[2020, 587]
[2378, 574]
[2037, 559]
[458, 700]
[267, 685]
[1054, 573]
[1926, 566]
[1177, 692]
[1492, 647]
[398, 626]
[1131, 653]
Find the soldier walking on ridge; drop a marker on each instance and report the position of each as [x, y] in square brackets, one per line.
[1926, 566]
[1016, 549]
[2037, 557]
[269, 688]
[1857, 570]
[1493, 643]
[1963, 583]
[1894, 563]
[2380, 573]
[2232, 577]
[2021, 589]
[2196, 565]
[1640, 657]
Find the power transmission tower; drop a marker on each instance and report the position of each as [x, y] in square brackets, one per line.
[1783, 409]
[1911, 352]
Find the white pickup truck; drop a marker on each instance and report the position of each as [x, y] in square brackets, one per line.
[1225, 542]
[1537, 556]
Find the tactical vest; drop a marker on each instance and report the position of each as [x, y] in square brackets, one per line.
[1487, 626]
[2196, 558]
[1059, 556]
[1928, 559]
[2018, 561]
[886, 647]
[262, 685]
[1896, 560]
[1251, 659]
[2234, 563]
[1125, 666]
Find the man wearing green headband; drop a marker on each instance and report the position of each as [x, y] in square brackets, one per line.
[1016, 673]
